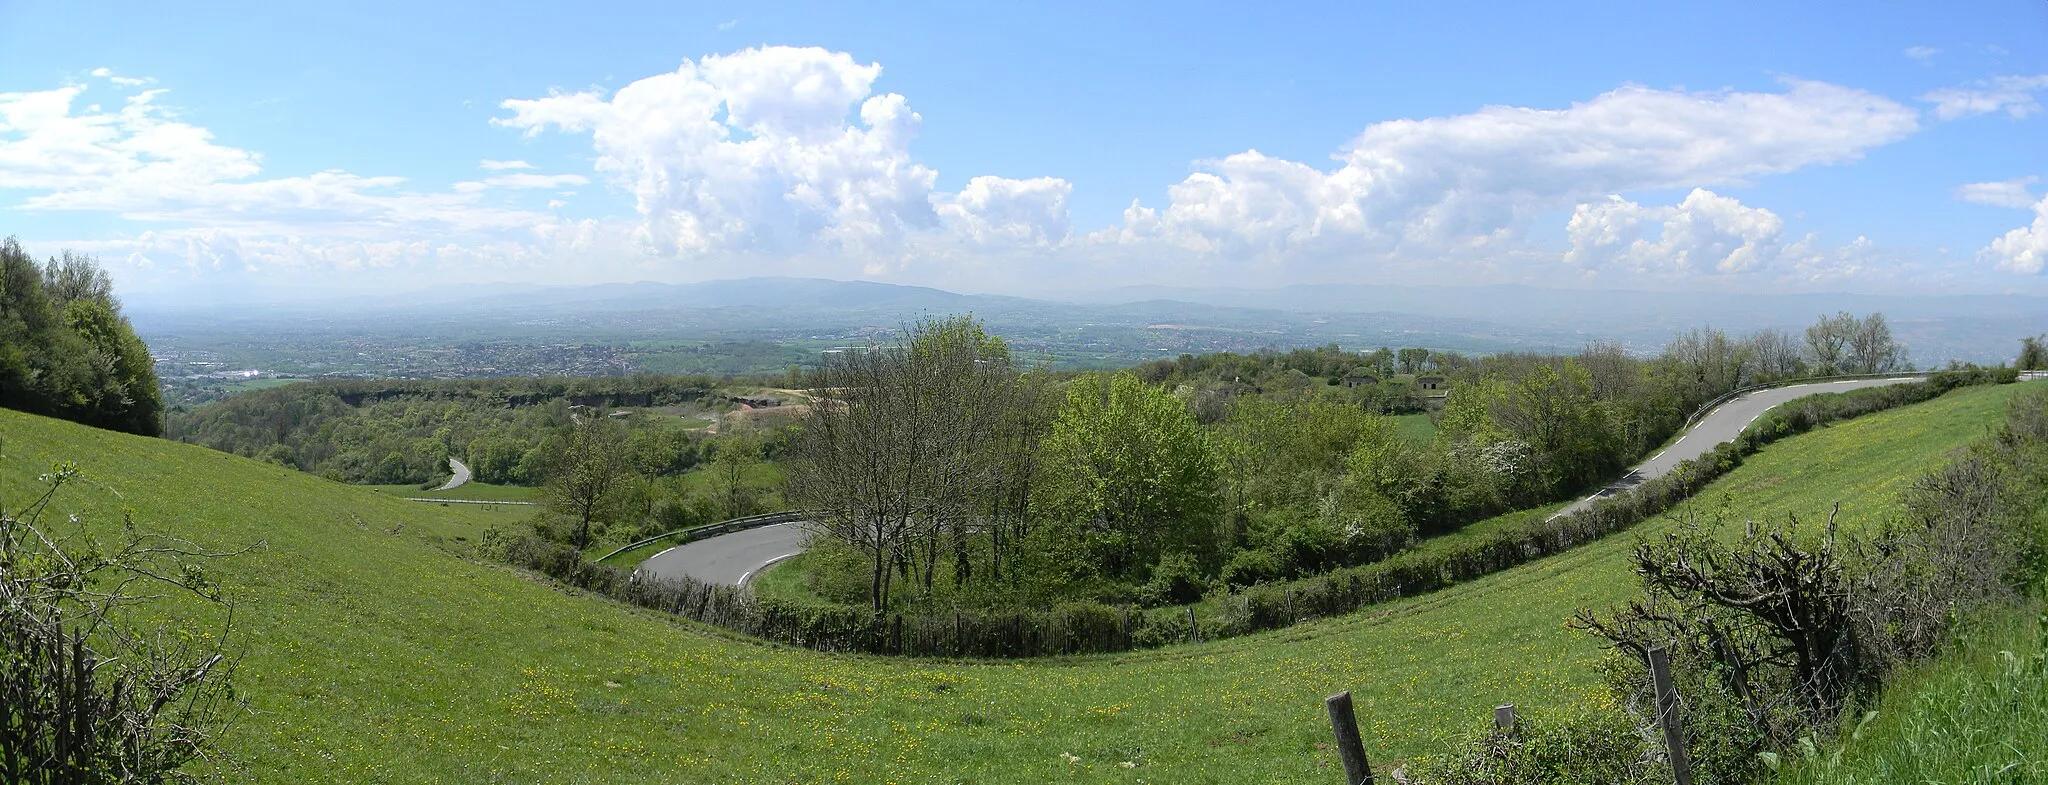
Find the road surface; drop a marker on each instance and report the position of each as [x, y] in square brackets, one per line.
[732, 559]
[460, 472]
[1722, 424]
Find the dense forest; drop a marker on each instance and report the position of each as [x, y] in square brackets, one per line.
[65, 349]
[397, 432]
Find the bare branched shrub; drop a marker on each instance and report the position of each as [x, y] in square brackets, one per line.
[1792, 631]
[83, 698]
[1947, 556]
[1761, 632]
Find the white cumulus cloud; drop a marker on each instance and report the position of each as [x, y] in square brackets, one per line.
[141, 162]
[754, 152]
[1005, 212]
[1707, 232]
[499, 166]
[1923, 54]
[1471, 181]
[2023, 250]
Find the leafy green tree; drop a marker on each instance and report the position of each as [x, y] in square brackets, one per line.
[494, 459]
[588, 475]
[1293, 452]
[65, 349]
[1129, 468]
[2033, 353]
[737, 455]
[1412, 359]
[1381, 361]
[1405, 472]
[1554, 411]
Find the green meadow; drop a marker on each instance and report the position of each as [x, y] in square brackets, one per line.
[377, 648]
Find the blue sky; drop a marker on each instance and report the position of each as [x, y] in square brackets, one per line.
[1747, 147]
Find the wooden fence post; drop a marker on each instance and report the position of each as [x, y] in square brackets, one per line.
[1667, 714]
[1193, 636]
[1350, 748]
[1504, 718]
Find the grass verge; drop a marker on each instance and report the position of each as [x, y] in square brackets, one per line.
[1978, 713]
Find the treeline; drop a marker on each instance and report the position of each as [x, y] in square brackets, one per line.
[947, 477]
[513, 392]
[399, 432]
[1381, 381]
[65, 349]
[608, 479]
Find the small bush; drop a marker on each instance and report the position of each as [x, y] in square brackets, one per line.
[1176, 580]
[1577, 745]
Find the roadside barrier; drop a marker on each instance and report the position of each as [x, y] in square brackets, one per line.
[1741, 391]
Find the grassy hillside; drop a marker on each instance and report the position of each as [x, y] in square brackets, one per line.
[376, 652]
[1978, 713]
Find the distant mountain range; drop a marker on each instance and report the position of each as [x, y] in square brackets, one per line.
[1983, 328]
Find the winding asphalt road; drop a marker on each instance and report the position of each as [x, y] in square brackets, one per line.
[1722, 424]
[733, 559]
[460, 474]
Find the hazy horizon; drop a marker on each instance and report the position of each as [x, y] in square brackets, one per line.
[1743, 148]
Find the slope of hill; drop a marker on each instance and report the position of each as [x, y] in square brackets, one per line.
[377, 650]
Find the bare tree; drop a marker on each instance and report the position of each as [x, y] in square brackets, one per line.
[1776, 354]
[1827, 341]
[903, 455]
[1716, 363]
[1871, 348]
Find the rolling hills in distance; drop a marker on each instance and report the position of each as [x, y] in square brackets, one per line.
[764, 325]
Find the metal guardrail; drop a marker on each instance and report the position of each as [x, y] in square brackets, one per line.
[714, 529]
[1741, 391]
